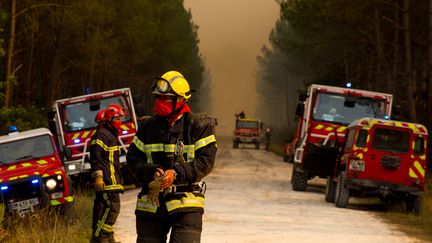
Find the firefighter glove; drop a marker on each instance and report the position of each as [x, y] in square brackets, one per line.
[98, 183]
[168, 179]
[153, 190]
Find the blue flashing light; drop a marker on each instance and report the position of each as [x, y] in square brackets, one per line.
[348, 84]
[386, 117]
[35, 181]
[87, 90]
[13, 128]
[124, 132]
[76, 141]
[4, 188]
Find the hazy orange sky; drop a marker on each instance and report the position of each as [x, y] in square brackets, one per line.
[231, 34]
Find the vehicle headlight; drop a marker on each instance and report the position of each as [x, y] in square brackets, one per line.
[51, 184]
[71, 167]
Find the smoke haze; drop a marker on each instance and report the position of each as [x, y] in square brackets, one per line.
[231, 34]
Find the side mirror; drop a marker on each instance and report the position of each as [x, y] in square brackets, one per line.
[302, 96]
[300, 109]
[52, 126]
[51, 115]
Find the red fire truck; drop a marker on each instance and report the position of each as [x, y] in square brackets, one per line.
[73, 122]
[324, 112]
[32, 175]
[381, 158]
[247, 130]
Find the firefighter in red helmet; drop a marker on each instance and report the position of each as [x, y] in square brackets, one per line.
[171, 152]
[105, 167]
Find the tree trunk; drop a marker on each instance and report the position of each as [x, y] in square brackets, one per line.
[429, 93]
[9, 58]
[379, 50]
[28, 86]
[396, 54]
[408, 62]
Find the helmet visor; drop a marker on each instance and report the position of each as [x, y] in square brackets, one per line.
[162, 86]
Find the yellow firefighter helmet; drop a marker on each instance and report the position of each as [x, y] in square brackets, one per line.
[172, 83]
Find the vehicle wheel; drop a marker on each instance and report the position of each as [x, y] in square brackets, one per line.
[257, 146]
[330, 190]
[235, 144]
[342, 193]
[291, 158]
[68, 211]
[299, 180]
[415, 205]
[285, 157]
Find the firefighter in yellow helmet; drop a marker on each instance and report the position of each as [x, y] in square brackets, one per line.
[171, 152]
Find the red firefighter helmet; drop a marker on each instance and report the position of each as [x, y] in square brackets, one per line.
[114, 111]
[100, 116]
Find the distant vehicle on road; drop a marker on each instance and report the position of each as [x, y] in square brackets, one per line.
[247, 130]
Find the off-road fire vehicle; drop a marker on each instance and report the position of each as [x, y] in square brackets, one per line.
[31, 172]
[381, 158]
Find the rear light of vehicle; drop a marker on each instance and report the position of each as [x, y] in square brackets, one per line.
[357, 165]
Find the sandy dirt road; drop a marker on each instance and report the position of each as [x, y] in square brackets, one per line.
[249, 199]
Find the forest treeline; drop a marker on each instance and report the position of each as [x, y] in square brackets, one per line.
[378, 45]
[55, 49]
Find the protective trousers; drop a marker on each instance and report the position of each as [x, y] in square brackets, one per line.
[185, 227]
[105, 212]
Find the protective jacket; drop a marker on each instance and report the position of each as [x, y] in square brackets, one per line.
[188, 147]
[104, 155]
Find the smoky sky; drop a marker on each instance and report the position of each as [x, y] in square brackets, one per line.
[231, 34]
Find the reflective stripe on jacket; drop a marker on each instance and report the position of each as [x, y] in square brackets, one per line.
[104, 155]
[153, 147]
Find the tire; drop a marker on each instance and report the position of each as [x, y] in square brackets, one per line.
[342, 193]
[285, 158]
[415, 205]
[235, 144]
[291, 158]
[68, 211]
[299, 180]
[330, 190]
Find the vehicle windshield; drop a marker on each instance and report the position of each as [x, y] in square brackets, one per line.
[25, 149]
[247, 124]
[344, 109]
[81, 116]
[390, 140]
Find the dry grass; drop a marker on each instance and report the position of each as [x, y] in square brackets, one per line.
[51, 226]
[418, 226]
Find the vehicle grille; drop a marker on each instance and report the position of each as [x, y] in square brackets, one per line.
[20, 190]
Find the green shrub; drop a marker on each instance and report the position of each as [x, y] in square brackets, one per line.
[23, 118]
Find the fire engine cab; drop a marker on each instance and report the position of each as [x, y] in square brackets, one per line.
[324, 112]
[381, 158]
[247, 130]
[73, 122]
[31, 172]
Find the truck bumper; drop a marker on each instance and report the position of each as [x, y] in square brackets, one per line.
[375, 187]
[245, 140]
